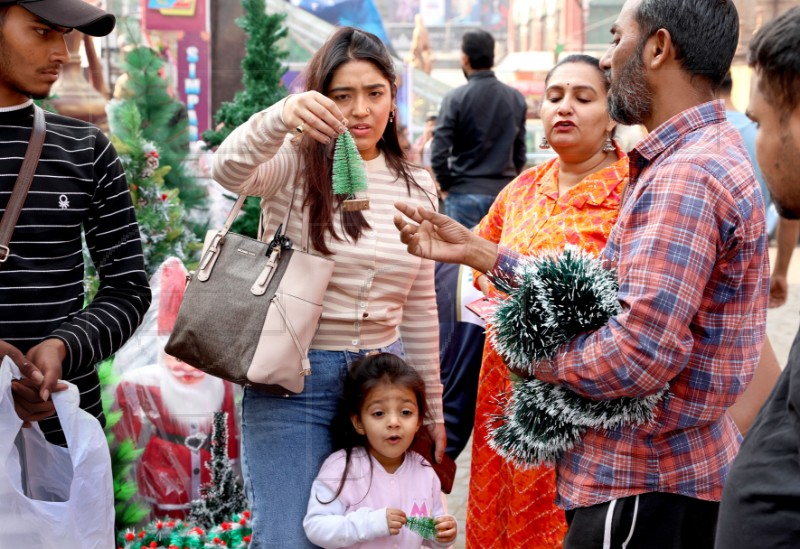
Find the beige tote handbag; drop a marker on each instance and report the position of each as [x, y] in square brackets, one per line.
[252, 308]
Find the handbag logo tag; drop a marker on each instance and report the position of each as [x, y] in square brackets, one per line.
[245, 252]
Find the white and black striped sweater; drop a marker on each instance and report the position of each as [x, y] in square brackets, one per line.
[79, 183]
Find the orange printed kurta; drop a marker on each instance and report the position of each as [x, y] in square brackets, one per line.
[512, 508]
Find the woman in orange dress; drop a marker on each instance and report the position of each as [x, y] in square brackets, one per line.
[571, 199]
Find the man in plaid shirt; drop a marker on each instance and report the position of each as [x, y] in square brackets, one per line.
[690, 249]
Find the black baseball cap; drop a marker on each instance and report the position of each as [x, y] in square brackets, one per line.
[72, 14]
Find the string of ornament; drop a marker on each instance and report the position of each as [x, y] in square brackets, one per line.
[348, 173]
[552, 298]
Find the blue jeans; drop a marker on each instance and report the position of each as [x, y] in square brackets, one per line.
[285, 439]
[468, 209]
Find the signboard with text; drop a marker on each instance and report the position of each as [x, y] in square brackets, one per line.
[182, 28]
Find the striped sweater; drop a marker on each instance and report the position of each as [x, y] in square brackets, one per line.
[378, 292]
[79, 184]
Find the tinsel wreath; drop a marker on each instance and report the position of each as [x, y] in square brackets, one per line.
[552, 298]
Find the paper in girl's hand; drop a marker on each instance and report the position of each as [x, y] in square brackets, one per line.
[483, 306]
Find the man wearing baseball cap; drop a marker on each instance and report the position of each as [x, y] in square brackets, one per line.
[70, 14]
[78, 187]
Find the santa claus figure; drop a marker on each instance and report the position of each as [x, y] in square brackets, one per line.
[167, 407]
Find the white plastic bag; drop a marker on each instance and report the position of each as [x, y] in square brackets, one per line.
[72, 492]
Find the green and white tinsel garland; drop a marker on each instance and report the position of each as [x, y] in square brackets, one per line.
[554, 297]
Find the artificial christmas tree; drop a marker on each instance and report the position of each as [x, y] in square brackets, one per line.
[224, 495]
[163, 121]
[262, 69]
[160, 211]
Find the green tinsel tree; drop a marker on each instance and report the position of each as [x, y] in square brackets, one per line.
[159, 210]
[224, 495]
[424, 526]
[163, 122]
[554, 297]
[262, 70]
[127, 511]
[349, 175]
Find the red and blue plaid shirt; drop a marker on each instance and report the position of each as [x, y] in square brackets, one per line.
[690, 251]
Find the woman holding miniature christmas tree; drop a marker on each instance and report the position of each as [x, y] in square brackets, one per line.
[380, 297]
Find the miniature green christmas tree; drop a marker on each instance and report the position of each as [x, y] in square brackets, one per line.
[424, 526]
[224, 495]
[349, 176]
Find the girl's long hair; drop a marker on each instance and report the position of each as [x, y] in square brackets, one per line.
[364, 375]
[346, 44]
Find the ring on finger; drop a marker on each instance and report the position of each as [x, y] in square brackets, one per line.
[300, 129]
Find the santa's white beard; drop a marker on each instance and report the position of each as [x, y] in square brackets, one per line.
[192, 403]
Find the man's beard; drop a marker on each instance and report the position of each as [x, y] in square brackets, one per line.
[630, 98]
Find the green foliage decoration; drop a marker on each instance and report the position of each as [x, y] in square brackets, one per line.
[164, 122]
[127, 511]
[159, 210]
[262, 70]
[233, 533]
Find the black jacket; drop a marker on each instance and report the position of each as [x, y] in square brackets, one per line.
[479, 140]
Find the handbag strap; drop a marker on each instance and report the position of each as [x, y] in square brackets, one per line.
[23, 183]
[237, 207]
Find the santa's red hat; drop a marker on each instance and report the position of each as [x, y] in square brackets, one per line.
[172, 287]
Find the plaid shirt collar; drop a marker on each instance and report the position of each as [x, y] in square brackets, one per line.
[679, 125]
[668, 133]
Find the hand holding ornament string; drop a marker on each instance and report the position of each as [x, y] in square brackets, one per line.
[314, 115]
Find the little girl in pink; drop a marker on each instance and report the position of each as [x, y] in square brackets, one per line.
[365, 491]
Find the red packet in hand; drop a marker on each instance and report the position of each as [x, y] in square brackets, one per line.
[483, 307]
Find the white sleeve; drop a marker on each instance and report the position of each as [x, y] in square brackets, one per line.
[329, 526]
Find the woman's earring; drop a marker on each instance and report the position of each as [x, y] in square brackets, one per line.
[543, 144]
[391, 117]
[609, 146]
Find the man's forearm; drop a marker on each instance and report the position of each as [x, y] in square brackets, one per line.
[481, 254]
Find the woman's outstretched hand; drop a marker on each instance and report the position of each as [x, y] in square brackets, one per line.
[431, 235]
[311, 113]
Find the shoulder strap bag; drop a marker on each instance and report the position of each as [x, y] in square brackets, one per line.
[23, 183]
[252, 308]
